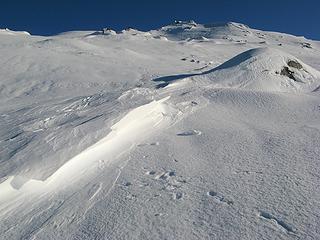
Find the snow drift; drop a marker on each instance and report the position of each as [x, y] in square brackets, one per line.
[264, 69]
[124, 135]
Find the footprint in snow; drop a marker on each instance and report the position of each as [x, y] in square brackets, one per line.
[189, 133]
[158, 214]
[148, 144]
[219, 197]
[280, 223]
[178, 196]
[151, 172]
[165, 175]
[127, 184]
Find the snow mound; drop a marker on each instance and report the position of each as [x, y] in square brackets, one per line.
[7, 31]
[264, 69]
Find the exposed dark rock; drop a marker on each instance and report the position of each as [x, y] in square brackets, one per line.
[294, 64]
[306, 45]
[108, 31]
[285, 71]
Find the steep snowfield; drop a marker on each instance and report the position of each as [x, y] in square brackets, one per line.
[191, 131]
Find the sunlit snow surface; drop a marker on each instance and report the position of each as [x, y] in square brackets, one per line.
[191, 131]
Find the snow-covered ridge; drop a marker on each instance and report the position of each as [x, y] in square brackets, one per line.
[186, 30]
[7, 31]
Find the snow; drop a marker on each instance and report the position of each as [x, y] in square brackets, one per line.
[191, 131]
[260, 69]
[123, 136]
[7, 31]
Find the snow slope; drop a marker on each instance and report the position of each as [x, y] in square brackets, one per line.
[264, 69]
[191, 131]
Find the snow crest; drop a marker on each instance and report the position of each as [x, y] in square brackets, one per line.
[134, 127]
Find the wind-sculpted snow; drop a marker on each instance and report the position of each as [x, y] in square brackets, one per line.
[262, 69]
[123, 136]
[191, 131]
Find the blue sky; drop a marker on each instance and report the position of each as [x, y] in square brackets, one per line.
[45, 17]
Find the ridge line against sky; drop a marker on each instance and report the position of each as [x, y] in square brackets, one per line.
[54, 17]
